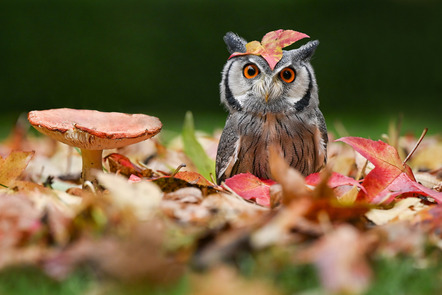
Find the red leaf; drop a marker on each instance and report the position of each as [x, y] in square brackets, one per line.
[271, 45]
[390, 178]
[121, 164]
[335, 180]
[250, 187]
[404, 185]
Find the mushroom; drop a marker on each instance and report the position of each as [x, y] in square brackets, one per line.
[93, 131]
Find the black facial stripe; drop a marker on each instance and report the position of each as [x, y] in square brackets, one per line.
[301, 104]
[229, 96]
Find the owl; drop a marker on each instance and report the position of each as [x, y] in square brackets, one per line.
[270, 104]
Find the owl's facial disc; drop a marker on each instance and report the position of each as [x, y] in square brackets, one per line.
[268, 87]
[265, 85]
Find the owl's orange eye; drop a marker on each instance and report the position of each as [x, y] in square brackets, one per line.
[287, 75]
[250, 71]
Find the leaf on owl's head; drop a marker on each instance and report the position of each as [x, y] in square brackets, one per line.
[271, 45]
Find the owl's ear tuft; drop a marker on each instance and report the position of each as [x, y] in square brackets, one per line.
[305, 52]
[235, 43]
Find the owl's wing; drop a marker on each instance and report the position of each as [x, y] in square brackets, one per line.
[228, 148]
[322, 140]
[322, 127]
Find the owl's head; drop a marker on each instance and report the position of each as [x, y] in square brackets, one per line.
[250, 84]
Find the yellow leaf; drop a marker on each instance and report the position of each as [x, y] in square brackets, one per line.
[13, 166]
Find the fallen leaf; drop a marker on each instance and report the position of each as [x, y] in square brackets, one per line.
[136, 257]
[194, 178]
[341, 260]
[19, 219]
[403, 185]
[142, 197]
[185, 179]
[402, 210]
[185, 195]
[122, 165]
[251, 187]
[335, 180]
[390, 177]
[291, 180]
[429, 157]
[13, 166]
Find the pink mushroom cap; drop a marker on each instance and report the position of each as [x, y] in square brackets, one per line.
[94, 130]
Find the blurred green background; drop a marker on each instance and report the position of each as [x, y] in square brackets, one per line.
[377, 58]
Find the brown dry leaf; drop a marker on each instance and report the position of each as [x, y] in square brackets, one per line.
[400, 238]
[13, 166]
[185, 195]
[281, 228]
[341, 158]
[137, 256]
[340, 257]
[233, 209]
[22, 256]
[429, 220]
[142, 197]
[184, 206]
[224, 280]
[428, 158]
[186, 213]
[19, 219]
[428, 180]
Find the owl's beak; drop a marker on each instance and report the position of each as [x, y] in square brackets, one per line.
[267, 96]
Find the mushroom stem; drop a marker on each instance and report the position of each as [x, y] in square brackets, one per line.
[92, 160]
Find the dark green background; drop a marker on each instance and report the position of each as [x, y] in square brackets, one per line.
[376, 59]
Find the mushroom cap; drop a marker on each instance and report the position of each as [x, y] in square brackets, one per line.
[94, 130]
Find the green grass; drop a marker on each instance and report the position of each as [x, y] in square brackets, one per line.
[30, 281]
[402, 276]
[393, 276]
[361, 124]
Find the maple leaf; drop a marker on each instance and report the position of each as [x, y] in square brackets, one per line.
[271, 45]
[390, 177]
[13, 166]
[250, 187]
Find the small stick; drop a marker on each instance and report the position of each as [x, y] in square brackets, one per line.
[415, 147]
[178, 169]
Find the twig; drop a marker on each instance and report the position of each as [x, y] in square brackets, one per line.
[415, 147]
[178, 169]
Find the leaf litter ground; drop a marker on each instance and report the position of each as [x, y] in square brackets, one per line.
[367, 224]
